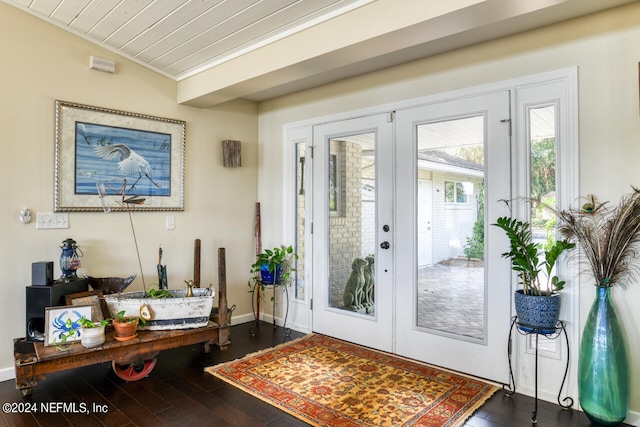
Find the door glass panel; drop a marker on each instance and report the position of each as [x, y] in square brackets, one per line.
[301, 181]
[450, 226]
[352, 222]
[542, 143]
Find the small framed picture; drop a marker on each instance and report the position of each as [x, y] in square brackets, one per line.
[93, 298]
[55, 322]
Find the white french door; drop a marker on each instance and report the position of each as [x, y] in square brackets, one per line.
[454, 313]
[352, 229]
[404, 195]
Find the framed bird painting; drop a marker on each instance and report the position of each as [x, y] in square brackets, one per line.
[117, 160]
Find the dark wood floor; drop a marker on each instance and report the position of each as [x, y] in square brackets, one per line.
[179, 393]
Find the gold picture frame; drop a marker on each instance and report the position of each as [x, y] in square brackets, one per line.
[123, 154]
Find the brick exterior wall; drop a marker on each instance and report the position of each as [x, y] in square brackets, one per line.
[345, 227]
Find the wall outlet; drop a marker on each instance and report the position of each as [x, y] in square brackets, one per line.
[51, 220]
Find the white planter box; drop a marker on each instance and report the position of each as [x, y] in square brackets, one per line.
[179, 312]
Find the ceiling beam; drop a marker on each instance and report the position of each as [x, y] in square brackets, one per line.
[375, 36]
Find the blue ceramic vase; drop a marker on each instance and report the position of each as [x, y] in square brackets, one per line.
[603, 366]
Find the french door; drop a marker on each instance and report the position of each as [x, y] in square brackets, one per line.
[404, 259]
[455, 311]
[352, 229]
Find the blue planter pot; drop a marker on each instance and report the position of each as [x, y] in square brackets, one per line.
[537, 312]
[270, 277]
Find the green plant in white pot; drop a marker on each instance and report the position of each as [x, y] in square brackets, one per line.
[538, 302]
[92, 334]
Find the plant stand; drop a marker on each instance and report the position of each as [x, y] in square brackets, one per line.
[553, 333]
[257, 287]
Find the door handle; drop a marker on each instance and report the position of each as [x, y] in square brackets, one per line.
[385, 245]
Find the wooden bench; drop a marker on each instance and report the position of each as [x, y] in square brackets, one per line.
[131, 360]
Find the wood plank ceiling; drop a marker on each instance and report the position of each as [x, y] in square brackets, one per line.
[179, 38]
[198, 42]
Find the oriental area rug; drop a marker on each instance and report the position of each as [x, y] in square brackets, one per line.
[327, 382]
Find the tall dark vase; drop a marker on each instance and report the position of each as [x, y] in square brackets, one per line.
[603, 365]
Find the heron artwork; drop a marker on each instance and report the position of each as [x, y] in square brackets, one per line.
[130, 163]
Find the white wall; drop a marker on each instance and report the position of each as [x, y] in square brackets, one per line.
[41, 63]
[603, 46]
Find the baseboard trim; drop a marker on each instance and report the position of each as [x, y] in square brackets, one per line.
[633, 418]
[7, 374]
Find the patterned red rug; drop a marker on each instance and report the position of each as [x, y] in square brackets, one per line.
[328, 382]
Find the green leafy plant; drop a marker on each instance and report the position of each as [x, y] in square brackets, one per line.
[282, 256]
[88, 323]
[120, 317]
[158, 293]
[72, 331]
[474, 248]
[529, 259]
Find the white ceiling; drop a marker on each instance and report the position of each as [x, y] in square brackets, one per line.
[197, 42]
[181, 37]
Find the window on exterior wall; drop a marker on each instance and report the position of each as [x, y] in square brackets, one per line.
[300, 231]
[336, 177]
[457, 192]
[334, 196]
[542, 166]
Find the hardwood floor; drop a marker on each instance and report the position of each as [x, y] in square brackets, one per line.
[179, 393]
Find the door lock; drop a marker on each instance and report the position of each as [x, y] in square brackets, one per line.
[385, 245]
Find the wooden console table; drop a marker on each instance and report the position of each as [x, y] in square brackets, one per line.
[131, 360]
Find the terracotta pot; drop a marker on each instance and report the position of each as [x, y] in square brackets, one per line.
[125, 329]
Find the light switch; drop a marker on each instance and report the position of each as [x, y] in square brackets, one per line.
[169, 222]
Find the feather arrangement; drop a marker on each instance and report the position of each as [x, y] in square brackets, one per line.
[609, 237]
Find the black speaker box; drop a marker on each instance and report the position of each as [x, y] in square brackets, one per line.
[42, 273]
[39, 297]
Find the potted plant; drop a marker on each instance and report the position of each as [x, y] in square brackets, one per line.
[126, 326]
[274, 266]
[92, 333]
[538, 302]
[609, 239]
